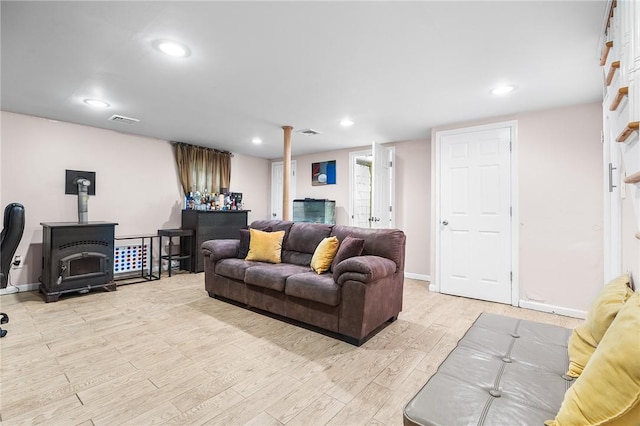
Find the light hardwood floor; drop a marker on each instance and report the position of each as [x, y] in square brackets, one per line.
[163, 352]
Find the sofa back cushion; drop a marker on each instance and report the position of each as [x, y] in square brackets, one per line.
[389, 243]
[302, 240]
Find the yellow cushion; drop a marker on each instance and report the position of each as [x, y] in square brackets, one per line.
[608, 390]
[265, 246]
[324, 254]
[585, 337]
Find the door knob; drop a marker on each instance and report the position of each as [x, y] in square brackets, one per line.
[445, 222]
[273, 214]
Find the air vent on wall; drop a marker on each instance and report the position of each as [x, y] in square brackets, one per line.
[308, 132]
[123, 119]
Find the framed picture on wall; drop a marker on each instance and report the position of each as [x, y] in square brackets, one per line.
[323, 173]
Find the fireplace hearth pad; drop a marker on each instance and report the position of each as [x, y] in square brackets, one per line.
[76, 258]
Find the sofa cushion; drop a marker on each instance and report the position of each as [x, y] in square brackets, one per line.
[311, 286]
[324, 254]
[586, 336]
[272, 276]
[305, 237]
[349, 247]
[235, 268]
[265, 246]
[296, 258]
[608, 390]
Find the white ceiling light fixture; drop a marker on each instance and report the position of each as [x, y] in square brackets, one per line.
[502, 90]
[256, 141]
[346, 122]
[172, 48]
[97, 103]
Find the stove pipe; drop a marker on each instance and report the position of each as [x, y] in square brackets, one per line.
[83, 200]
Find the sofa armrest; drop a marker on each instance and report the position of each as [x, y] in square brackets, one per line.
[364, 269]
[220, 249]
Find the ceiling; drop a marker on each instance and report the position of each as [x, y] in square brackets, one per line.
[397, 69]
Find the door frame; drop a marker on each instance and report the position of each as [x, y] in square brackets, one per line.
[352, 159]
[435, 224]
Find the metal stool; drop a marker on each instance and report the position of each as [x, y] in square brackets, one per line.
[181, 256]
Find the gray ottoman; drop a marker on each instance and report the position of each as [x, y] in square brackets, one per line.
[504, 371]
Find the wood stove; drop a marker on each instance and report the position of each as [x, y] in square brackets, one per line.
[76, 257]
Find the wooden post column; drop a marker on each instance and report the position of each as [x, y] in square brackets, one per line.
[286, 173]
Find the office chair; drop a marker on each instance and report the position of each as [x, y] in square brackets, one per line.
[12, 231]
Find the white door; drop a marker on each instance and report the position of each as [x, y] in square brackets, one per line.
[381, 182]
[475, 218]
[360, 165]
[277, 185]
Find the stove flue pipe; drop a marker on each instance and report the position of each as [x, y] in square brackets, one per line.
[83, 199]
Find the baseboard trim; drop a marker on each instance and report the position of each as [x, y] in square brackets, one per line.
[420, 277]
[19, 289]
[543, 307]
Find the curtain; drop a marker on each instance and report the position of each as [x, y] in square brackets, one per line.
[202, 168]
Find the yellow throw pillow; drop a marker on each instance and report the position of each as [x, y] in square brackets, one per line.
[608, 390]
[324, 254]
[265, 246]
[585, 337]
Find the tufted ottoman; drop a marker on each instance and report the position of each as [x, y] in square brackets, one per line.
[504, 371]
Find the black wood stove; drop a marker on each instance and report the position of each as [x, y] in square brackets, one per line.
[76, 257]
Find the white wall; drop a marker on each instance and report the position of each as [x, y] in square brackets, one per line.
[250, 175]
[560, 205]
[137, 184]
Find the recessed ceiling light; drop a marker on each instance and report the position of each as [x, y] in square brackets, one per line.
[502, 90]
[172, 48]
[96, 103]
[256, 141]
[346, 122]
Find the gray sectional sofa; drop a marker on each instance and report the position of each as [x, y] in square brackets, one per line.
[354, 299]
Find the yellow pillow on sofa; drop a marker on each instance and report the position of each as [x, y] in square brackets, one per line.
[608, 390]
[324, 254]
[265, 246]
[585, 337]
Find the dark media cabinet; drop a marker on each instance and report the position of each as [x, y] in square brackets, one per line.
[211, 225]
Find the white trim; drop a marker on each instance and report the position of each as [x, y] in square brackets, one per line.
[543, 307]
[420, 277]
[19, 289]
[515, 229]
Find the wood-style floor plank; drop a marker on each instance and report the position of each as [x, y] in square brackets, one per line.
[164, 353]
